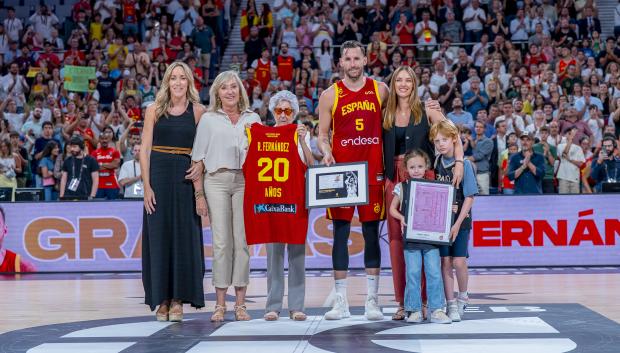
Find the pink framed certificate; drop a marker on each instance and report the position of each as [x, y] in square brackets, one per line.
[429, 212]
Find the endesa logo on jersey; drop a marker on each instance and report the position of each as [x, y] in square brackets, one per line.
[360, 141]
[275, 208]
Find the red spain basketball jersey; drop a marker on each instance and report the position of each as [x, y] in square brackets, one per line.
[274, 203]
[356, 128]
[263, 74]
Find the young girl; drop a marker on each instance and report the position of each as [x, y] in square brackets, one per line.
[417, 163]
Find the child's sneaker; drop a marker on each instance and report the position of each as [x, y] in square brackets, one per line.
[462, 304]
[453, 311]
[415, 317]
[439, 317]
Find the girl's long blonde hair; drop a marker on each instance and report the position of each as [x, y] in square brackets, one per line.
[215, 103]
[389, 112]
[163, 98]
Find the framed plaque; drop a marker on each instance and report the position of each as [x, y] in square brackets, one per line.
[429, 216]
[341, 184]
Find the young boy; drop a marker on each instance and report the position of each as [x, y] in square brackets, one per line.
[444, 135]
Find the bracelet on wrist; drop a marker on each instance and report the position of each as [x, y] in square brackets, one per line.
[199, 194]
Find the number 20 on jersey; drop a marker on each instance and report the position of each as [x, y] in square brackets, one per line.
[273, 169]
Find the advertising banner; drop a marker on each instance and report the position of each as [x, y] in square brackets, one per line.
[558, 230]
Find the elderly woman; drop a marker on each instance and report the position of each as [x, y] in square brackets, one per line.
[221, 146]
[284, 108]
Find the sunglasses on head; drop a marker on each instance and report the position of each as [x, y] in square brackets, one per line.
[287, 111]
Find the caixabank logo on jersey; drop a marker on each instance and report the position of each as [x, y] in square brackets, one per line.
[275, 208]
[548, 328]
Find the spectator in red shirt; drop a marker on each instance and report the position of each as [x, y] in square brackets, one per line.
[164, 50]
[109, 160]
[535, 56]
[130, 17]
[133, 111]
[250, 81]
[81, 5]
[82, 128]
[51, 60]
[198, 74]
[74, 56]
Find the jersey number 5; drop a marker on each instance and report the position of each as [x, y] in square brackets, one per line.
[280, 168]
[359, 124]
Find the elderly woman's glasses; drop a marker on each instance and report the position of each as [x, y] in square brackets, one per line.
[287, 111]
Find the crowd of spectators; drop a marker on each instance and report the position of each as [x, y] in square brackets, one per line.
[129, 43]
[504, 71]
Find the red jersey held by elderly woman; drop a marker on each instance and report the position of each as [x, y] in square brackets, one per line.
[274, 205]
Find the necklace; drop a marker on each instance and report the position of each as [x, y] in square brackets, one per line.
[175, 109]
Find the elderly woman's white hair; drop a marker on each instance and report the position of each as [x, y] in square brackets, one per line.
[284, 96]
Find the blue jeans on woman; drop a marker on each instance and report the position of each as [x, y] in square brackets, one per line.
[50, 193]
[434, 281]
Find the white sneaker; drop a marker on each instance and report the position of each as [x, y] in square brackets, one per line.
[340, 310]
[439, 317]
[453, 311]
[462, 304]
[373, 311]
[415, 317]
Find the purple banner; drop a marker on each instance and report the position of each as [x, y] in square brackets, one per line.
[106, 236]
[507, 231]
[546, 230]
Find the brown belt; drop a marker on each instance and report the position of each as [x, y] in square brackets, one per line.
[172, 150]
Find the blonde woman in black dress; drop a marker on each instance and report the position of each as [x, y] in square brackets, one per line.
[172, 246]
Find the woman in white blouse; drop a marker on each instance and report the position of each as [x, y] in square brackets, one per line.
[221, 144]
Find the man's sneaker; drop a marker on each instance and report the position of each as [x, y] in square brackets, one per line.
[453, 311]
[462, 304]
[340, 310]
[439, 317]
[373, 311]
[415, 317]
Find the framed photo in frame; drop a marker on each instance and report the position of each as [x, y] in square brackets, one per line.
[341, 184]
[429, 215]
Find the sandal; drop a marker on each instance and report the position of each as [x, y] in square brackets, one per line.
[400, 314]
[297, 316]
[272, 316]
[218, 313]
[162, 315]
[176, 311]
[241, 313]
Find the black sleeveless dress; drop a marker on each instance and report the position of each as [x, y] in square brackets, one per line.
[172, 246]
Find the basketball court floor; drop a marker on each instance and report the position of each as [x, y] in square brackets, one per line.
[517, 310]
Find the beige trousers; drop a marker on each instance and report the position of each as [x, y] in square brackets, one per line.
[568, 187]
[231, 257]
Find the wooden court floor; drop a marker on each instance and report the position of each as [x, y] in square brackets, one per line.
[35, 300]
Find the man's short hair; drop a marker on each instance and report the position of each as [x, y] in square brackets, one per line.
[47, 123]
[351, 44]
[544, 128]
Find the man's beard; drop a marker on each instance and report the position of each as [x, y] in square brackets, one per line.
[76, 154]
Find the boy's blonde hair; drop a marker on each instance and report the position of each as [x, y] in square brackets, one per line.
[446, 128]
